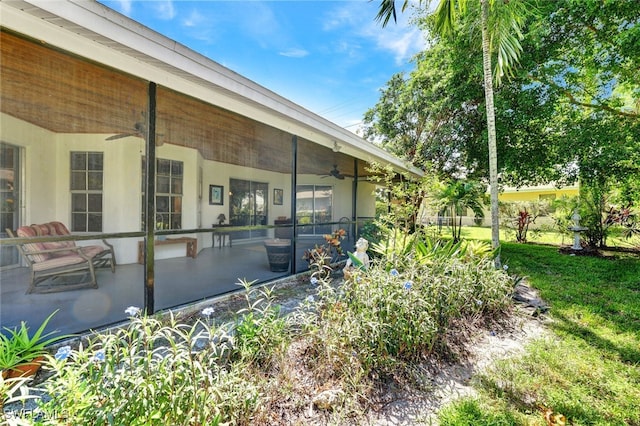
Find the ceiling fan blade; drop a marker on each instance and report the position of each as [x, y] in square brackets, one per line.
[138, 130]
[120, 136]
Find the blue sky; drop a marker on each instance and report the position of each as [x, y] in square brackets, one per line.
[330, 57]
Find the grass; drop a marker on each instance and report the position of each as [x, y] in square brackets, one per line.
[540, 237]
[588, 373]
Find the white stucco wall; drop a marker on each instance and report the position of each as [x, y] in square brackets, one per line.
[46, 176]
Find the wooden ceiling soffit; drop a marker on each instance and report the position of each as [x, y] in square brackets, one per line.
[64, 94]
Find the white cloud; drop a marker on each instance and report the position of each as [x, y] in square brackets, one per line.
[125, 6]
[200, 26]
[294, 53]
[194, 19]
[260, 23]
[164, 9]
[401, 39]
[403, 44]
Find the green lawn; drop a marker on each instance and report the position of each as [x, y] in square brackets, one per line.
[589, 372]
[547, 237]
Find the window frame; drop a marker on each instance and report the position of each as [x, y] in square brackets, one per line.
[171, 174]
[92, 195]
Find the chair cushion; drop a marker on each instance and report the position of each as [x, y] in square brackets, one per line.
[51, 229]
[30, 232]
[92, 251]
[59, 245]
[58, 228]
[42, 229]
[58, 262]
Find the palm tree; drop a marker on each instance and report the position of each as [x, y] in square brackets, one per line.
[507, 20]
[458, 196]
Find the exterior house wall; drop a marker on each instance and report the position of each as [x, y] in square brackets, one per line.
[366, 200]
[37, 193]
[536, 193]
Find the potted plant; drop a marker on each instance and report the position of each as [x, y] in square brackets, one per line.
[22, 353]
[329, 252]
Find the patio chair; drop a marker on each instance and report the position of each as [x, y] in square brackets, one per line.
[52, 263]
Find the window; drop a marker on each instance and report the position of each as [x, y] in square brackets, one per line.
[86, 191]
[169, 177]
[314, 208]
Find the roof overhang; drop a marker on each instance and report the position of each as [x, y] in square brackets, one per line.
[98, 33]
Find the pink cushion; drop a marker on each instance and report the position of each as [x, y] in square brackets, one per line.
[30, 232]
[57, 262]
[92, 251]
[59, 245]
[42, 229]
[61, 258]
[58, 228]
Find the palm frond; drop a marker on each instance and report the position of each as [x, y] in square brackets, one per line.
[506, 21]
[447, 14]
[386, 12]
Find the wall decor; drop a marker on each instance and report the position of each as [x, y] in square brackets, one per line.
[277, 196]
[215, 195]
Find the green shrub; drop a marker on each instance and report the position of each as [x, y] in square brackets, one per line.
[150, 373]
[384, 318]
[261, 333]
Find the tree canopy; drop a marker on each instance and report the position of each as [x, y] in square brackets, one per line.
[570, 111]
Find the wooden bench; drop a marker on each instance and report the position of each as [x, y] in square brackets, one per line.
[191, 243]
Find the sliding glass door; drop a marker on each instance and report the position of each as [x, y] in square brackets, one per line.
[313, 209]
[248, 203]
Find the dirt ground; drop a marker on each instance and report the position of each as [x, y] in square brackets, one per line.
[452, 381]
[445, 381]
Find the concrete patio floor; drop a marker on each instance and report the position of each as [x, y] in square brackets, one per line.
[178, 281]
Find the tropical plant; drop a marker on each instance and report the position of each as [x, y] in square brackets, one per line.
[383, 318]
[517, 216]
[394, 247]
[458, 196]
[151, 372]
[261, 331]
[327, 253]
[507, 19]
[19, 346]
[13, 389]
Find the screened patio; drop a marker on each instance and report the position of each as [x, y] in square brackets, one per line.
[116, 143]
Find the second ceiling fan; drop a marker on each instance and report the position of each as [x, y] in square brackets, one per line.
[335, 173]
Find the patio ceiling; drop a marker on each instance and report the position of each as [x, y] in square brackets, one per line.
[67, 95]
[94, 32]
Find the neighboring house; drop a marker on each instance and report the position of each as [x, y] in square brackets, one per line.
[81, 85]
[537, 193]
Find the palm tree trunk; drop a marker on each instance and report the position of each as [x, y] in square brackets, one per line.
[491, 130]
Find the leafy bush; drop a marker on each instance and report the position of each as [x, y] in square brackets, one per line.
[153, 374]
[261, 333]
[517, 216]
[384, 318]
